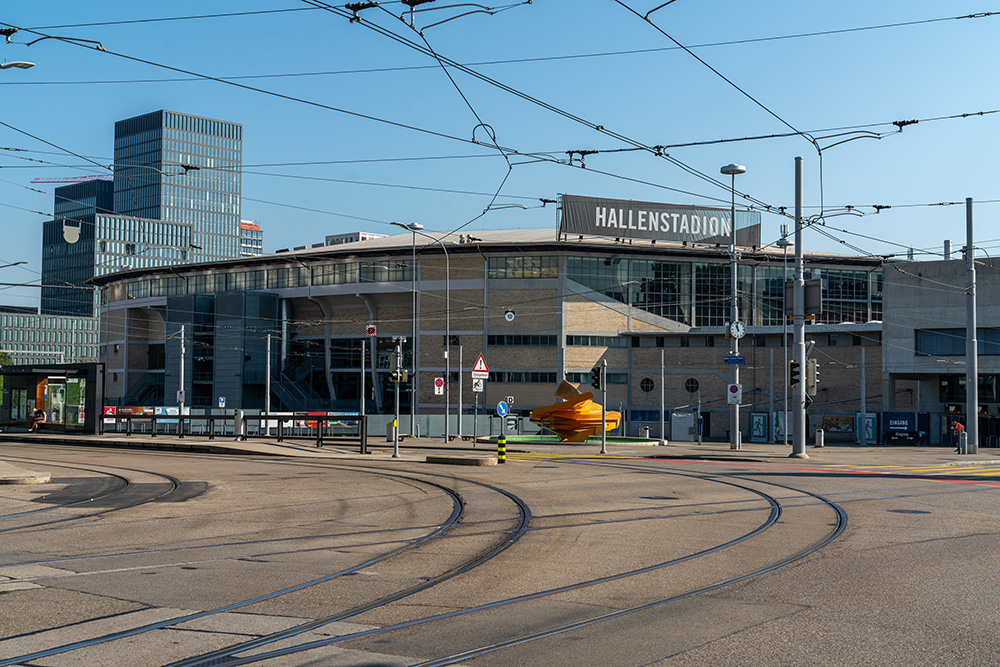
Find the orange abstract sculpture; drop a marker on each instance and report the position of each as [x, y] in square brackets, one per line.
[576, 418]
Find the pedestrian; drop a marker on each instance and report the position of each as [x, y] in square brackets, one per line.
[38, 417]
[957, 429]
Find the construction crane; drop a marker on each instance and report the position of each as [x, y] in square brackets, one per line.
[75, 179]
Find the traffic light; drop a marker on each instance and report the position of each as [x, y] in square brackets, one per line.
[812, 376]
[596, 378]
[794, 373]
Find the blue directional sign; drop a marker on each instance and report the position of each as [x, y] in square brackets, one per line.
[734, 360]
[502, 409]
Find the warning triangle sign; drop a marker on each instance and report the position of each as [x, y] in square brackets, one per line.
[480, 366]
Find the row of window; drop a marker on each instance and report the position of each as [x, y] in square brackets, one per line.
[534, 340]
[34, 321]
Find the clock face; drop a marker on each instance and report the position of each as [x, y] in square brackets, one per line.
[509, 316]
[738, 329]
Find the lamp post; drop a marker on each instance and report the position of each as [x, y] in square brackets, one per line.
[413, 227]
[736, 329]
[20, 64]
[784, 243]
[447, 326]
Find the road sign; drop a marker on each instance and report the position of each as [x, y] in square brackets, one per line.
[734, 360]
[371, 330]
[502, 409]
[439, 386]
[735, 394]
[478, 385]
[222, 401]
[510, 401]
[480, 370]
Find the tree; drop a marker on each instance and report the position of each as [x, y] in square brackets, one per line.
[5, 359]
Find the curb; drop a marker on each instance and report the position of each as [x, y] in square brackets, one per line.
[463, 460]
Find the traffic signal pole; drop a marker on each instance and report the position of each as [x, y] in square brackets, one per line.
[798, 328]
[604, 406]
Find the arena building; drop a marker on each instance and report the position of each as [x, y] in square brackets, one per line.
[540, 305]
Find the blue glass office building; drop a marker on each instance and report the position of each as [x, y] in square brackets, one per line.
[68, 247]
[182, 169]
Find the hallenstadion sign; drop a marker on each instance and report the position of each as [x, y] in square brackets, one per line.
[659, 222]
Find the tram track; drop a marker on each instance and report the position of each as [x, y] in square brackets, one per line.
[125, 486]
[440, 531]
[230, 659]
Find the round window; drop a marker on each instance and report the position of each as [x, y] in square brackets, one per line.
[646, 384]
[691, 385]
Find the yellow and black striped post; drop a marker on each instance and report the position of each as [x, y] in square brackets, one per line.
[502, 449]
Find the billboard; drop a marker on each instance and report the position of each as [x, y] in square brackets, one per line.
[672, 223]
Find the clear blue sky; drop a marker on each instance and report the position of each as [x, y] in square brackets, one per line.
[879, 62]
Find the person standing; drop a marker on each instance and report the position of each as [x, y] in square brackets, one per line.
[957, 429]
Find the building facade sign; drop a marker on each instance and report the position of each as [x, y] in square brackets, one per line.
[620, 218]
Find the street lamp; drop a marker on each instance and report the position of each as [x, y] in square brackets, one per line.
[20, 64]
[783, 243]
[447, 325]
[413, 227]
[736, 328]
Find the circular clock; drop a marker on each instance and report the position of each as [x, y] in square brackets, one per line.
[509, 316]
[738, 329]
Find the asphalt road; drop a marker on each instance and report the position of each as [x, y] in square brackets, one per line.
[170, 558]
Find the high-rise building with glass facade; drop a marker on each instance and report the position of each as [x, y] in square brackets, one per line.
[68, 247]
[182, 169]
[174, 199]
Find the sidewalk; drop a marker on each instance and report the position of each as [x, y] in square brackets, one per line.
[418, 449]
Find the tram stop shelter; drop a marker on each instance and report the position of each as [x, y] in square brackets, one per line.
[72, 396]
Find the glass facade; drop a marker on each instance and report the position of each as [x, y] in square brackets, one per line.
[698, 293]
[182, 169]
[32, 338]
[68, 245]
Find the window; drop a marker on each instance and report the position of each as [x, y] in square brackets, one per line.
[951, 342]
[294, 276]
[597, 341]
[523, 267]
[384, 272]
[523, 377]
[646, 384]
[536, 340]
[333, 274]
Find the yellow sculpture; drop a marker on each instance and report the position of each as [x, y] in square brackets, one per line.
[575, 418]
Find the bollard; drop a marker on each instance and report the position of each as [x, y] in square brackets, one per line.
[963, 442]
[819, 437]
[502, 449]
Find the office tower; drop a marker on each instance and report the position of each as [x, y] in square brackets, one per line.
[68, 247]
[181, 169]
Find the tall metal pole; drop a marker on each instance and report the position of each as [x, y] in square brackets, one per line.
[395, 423]
[863, 434]
[180, 395]
[459, 391]
[361, 409]
[604, 406]
[799, 328]
[971, 344]
[447, 350]
[734, 307]
[784, 336]
[267, 383]
[413, 341]
[663, 403]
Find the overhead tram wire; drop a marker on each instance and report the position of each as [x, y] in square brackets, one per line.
[533, 100]
[366, 116]
[735, 42]
[721, 76]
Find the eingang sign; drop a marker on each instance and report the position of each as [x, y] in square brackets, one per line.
[596, 216]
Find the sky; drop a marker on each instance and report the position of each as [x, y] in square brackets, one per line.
[349, 126]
